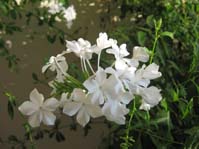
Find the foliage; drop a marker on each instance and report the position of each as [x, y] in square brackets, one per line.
[169, 125]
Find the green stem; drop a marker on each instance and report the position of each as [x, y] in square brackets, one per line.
[129, 125]
[154, 46]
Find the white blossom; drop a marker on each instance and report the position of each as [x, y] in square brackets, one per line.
[81, 105]
[151, 72]
[100, 87]
[82, 48]
[140, 54]
[39, 110]
[102, 42]
[151, 97]
[57, 64]
[69, 14]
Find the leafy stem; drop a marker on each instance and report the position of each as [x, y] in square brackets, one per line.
[128, 139]
[158, 25]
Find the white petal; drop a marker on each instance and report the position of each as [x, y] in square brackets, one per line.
[123, 51]
[145, 106]
[140, 54]
[151, 95]
[83, 117]
[151, 72]
[36, 97]
[51, 104]
[90, 84]
[28, 108]
[97, 97]
[71, 108]
[63, 65]
[120, 64]
[34, 120]
[48, 118]
[126, 97]
[78, 95]
[100, 76]
[45, 67]
[64, 99]
[94, 111]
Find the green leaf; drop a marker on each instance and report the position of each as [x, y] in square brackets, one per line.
[167, 34]
[149, 20]
[164, 104]
[141, 38]
[11, 104]
[188, 109]
[10, 110]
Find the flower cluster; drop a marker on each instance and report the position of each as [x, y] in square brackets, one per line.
[105, 92]
[55, 7]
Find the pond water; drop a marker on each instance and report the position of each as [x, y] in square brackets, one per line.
[92, 18]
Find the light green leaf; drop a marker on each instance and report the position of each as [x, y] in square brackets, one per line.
[168, 34]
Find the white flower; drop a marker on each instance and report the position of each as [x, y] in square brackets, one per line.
[82, 48]
[69, 14]
[151, 72]
[103, 42]
[101, 87]
[81, 105]
[150, 96]
[38, 110]
[57, 64]
[125, 74]
[115, 111]
[120, 53]
[140, 54]
[55, 8]
[138, 80]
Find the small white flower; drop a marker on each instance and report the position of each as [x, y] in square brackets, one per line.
[100, 87]
[57, 64]
[82, 48]
[103, 42]
[69, 14]
[38, 110]
[151, 72]
[151, 96]
[55, 8]
[120, 53]
[81, 105]
[140, 54]
[115, 111]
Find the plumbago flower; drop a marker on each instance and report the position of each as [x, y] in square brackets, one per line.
[105, 91]
[57, 64]
[39, 110]
[81, 104]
